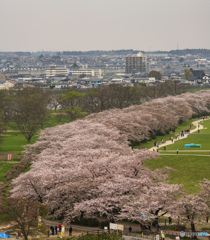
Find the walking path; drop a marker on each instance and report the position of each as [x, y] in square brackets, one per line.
[195, 123]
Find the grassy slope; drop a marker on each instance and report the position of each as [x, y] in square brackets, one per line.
[189, 169]
[203, 139]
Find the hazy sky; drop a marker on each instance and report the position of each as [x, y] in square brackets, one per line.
[35, 25]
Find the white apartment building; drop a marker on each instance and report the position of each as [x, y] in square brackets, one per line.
[87, 72]
[54, 71]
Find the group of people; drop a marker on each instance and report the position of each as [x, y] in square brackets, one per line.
[182, 132]
[56, 229]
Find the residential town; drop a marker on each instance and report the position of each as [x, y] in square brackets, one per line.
[83, 70]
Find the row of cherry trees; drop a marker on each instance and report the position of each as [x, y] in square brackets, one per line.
[158, 116]
[87, 167]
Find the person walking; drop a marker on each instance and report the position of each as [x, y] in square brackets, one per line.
[59, 226]
[177, 151]
[207, 219]
[130, 229]
[163, 236]
[169, 220]
[56, 230]
[52, 230]
[70, 231]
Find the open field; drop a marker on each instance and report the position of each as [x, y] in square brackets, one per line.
[189, 169]
[206, 124]
[167, 152]
[203, 139]
[14, 141]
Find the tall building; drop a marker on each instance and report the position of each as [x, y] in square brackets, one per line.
[136, 64]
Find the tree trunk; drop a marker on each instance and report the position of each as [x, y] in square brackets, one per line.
[155, 222]
[192, 227]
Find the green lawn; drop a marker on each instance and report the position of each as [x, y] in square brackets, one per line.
[203, 139]
[185, 125]
[14, 141]
[185, 152]
[193, 90]
[189, 169]
[150, 144]
[205, 123]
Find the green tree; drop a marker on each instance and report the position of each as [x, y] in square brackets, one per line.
[23, 214]
[155, 74]
[187, 73]
[30, 110]
[71, 99]
[72, 102]
[75, 113]
[5, 107]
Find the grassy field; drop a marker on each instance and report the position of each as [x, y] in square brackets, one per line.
[14, 141]
[206, 124]
[189, 169]
[193, 90]
[193, 152]
[203, 139]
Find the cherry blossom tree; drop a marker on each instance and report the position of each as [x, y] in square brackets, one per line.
[189, 209]
[205, 193]
[88, 165]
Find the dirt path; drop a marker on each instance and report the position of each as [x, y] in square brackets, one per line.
[195, 123]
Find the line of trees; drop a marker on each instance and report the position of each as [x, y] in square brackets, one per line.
[87, 167]
[29, 108]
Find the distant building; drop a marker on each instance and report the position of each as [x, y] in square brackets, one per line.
[2, 76]
[135, 64]
[25, 71]
[87, 72]
[54, 71]
[7, 84]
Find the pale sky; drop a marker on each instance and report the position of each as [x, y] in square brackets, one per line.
[72, 25]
